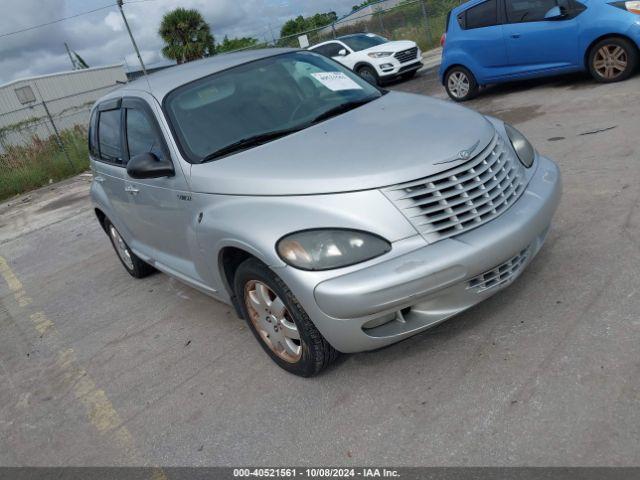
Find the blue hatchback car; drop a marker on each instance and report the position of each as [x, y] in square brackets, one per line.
[493, 41]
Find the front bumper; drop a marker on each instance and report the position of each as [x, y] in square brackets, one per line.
[395, 68]
[387, 302]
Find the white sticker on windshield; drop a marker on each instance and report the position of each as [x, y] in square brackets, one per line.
[336, 81]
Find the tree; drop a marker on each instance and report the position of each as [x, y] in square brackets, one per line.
[186, 36]
[302, 24]
[363, 4]
[231, 44]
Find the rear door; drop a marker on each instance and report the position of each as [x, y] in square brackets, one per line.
[482, 39]
[108, 160]
[160, 209]
[535, 44]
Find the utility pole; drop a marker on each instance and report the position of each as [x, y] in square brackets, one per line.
[133, 40]
[73, 62]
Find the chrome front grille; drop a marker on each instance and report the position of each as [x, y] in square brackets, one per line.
[499, 275]
[464, 197]
[407, 55]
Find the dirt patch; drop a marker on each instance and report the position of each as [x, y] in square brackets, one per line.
[518, 114]
[64, 202]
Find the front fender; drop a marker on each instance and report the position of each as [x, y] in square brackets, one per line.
[255, 223]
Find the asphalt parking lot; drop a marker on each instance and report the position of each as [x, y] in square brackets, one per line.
[100, 369]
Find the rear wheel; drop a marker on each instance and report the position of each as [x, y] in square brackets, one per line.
[279, 322]
[460, 84]
[613, 60]
[369, 74]
[136, 267]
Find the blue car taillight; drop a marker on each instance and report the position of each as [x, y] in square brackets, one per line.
[632, 6]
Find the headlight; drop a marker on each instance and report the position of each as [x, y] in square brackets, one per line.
[324, 249]
[379, 54]
[525, 151]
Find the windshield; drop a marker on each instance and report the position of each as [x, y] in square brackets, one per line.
[260, 101]
[364, 41]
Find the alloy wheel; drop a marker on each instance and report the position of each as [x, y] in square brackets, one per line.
[272, 320]
[610, 61]
[458, 84]
[121, 247]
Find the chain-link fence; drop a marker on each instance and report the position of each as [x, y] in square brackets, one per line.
[45, 141]
[422, 21]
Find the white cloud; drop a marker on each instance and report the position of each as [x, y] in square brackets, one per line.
[100, 37]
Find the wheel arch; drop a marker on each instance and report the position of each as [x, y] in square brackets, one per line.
[361, 64]
[451, 67]
[101, 217]
[229, 259]
[622, 36]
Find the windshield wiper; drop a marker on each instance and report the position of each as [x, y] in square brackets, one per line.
[342, 108]
[249, 142]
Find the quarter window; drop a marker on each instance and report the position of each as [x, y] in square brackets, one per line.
[483, 15]
[109, 136]
[142, 137]
[520, 11]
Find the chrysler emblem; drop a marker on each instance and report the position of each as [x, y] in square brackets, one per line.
[462, 155]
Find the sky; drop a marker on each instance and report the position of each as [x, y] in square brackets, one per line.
[101, 39]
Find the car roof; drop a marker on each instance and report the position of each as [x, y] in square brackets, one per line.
[159, 84]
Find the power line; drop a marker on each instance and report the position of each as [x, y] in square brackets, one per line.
[60, 20]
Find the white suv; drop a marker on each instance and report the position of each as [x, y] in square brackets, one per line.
[373, 57]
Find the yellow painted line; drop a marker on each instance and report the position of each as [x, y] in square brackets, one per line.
[14, 284]
[99, 410]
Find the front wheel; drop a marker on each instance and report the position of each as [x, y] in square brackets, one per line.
[279, 322]
[612, 60]
[460, 84]
[369, 74]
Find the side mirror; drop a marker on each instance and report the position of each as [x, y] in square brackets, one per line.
[343, 52]
[148, 165]
[556, 13]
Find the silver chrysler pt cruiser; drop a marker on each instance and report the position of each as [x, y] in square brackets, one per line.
[333, 215]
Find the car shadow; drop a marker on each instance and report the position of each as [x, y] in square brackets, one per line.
[575, 81]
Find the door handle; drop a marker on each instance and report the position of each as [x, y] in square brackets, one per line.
[515, 35]
[131, 190]
[98, 179]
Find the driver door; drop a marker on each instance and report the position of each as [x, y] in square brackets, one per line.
[160, 209]
[535, 44]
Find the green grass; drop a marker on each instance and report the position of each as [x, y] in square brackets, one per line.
[24, 168]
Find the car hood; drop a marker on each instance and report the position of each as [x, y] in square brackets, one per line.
[396, 138]
[394, 46]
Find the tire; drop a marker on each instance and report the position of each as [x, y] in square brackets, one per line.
[255, 285]
[460, 84]
[136, 267]
[613, 60]
[368, 74]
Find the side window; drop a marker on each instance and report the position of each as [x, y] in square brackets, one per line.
[109, 136]
[93, 134]
[142, 137]
[519, 11]
[483, 15]
[329, 50]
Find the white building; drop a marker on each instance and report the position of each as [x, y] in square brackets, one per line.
[68, 96]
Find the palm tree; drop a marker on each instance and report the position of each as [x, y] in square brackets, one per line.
[186, 35]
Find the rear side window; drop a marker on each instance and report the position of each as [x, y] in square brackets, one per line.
[483, 15]
[521, 11]
[109, 136]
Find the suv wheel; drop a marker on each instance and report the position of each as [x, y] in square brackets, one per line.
[612, 60]
[136, 267]
[460, 84]
[369, 74]
[279, 322]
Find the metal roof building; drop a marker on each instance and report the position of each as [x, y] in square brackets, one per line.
[28, 105]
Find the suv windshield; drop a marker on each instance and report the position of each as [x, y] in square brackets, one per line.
[364, 41]
[260, 101]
